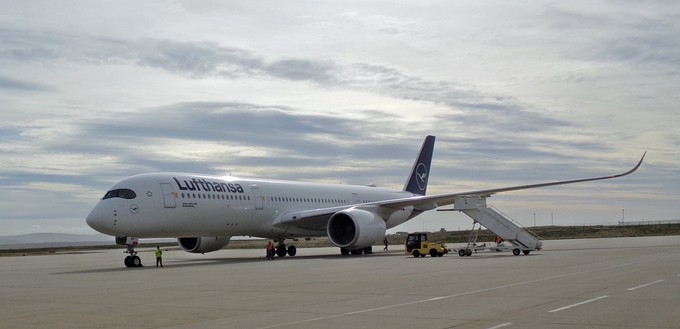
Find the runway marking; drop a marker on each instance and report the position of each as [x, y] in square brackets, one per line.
[501, 325]
[512, 285]
[577, 304]
[645, 285]
[436, 298]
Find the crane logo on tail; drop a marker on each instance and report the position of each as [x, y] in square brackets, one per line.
[421, 174]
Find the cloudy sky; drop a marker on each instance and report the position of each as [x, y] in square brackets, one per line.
[342, 92]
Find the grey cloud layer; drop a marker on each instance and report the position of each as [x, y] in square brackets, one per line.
[18, 85]
[197, 60]
[225, 121]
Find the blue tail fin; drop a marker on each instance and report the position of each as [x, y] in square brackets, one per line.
[417, 182]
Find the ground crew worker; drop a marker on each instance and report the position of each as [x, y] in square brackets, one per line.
[386, 243]
[270, 251]
[159, 256]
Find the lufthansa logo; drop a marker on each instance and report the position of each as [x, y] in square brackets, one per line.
[421, 176]
[134, 208]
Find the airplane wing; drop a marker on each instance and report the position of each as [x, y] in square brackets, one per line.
[317, 219]
[438, 200]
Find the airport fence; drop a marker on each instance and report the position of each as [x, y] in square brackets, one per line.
[650, 222]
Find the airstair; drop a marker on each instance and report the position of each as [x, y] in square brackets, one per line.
[498, 223]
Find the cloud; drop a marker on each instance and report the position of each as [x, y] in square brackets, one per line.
[625, 35]
[302, 70]
[205, 59]
[192, 59]
[281, 130]
[18, 85]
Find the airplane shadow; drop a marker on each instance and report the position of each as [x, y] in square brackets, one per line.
[221, 261]
[224, 261]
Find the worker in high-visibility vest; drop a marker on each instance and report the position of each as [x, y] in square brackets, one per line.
[159, 256]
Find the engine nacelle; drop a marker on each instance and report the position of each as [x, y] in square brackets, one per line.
[355, 228]
[203, 244]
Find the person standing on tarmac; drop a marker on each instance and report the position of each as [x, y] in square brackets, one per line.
[270, 251]
[386, 243]
[159, 256]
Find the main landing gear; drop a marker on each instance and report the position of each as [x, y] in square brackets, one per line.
[281, 249]
[132, 260]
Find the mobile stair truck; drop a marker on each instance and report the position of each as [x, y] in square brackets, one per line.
[507, 230]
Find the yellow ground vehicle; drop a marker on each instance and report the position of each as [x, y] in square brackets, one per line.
[418, 245]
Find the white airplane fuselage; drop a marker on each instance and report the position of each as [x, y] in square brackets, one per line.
[191, 205]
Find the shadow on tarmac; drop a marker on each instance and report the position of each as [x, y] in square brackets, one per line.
[183, 263]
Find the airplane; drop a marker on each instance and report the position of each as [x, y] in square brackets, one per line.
[203, 212]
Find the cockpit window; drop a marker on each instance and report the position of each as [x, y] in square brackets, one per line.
[120, 193]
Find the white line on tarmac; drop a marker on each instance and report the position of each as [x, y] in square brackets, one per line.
[501, 325]
[608, 268]
[645, 285]
[577, 304]
[436, 298]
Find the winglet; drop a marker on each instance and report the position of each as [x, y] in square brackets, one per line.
[634, 169]
[420, 173]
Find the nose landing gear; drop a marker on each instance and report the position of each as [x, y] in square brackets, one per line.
[132, 260]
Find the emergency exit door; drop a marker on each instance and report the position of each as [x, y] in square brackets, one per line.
[259, 198]
[168, 195]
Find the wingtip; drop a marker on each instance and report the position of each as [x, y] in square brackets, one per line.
[638, 164]
[641, 159]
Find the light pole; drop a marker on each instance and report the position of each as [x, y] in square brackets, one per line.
[623, 216]
[534, 219]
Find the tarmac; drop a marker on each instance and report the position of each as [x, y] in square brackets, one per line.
[593, 283]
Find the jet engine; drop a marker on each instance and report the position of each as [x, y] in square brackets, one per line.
[355, 228]
[203, 244]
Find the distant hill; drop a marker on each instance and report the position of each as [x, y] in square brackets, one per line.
[48, 240]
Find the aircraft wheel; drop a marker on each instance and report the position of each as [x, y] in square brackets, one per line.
[356, 251]
[515, 252]
[135, 261]
[368, 250]
[526, 252]
[344, 251]
[281, 251]
[461, 252]
[468, 252]
[433, 252]
[128, 261]
[416, 253]
[292, 251]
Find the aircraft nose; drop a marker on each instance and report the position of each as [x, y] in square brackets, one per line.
[97, 220]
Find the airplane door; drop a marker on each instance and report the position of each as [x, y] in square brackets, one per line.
[259, 199]
[356, 198]
[168, 195]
